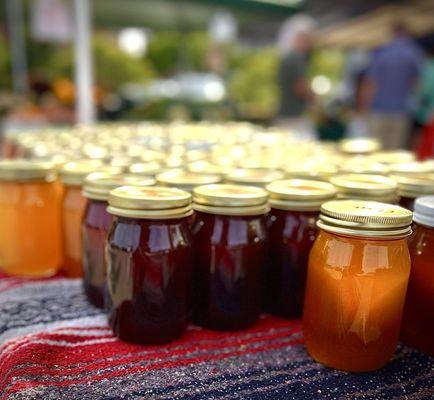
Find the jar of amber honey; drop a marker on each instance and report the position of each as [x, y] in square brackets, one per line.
[30, 229]
[356, 283]
[149, 263]
[418, 321]
[295, 205]
[72, 175]
[366, 187]
[230, 248]
[95, 226]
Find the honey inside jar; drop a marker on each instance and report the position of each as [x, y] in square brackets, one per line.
[357, 279]
[30, 197]
[72, 176]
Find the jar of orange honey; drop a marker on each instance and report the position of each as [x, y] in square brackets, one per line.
[30, 233]
[72, 175]
[357, 278]
[418, 322]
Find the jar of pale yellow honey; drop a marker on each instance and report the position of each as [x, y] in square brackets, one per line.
[30, 233]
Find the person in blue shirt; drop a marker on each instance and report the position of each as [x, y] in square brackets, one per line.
[388, 87]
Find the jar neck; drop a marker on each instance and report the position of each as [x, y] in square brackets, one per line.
[361, 239]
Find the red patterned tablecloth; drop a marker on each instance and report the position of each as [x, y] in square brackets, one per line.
[54, 345]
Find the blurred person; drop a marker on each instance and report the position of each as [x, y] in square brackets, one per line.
[295, 42]
[425, 91]
[387, 88]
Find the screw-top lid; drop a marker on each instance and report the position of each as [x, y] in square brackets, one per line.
[359, 145]
[185, 180]
[316, 171]
[98, 185]
[366, 187]
[424, 211]
[253, 176]
[354, 166]
[393, 156]
[148, 168]
[74, 172]
[154, 202]
[300, 194]
[229, 199]
[365, 218]
[411, 168]
[205, 167]
[414, 186]
[27, 170]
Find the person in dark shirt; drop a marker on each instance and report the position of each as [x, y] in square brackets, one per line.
[388, 86]
[295, 43]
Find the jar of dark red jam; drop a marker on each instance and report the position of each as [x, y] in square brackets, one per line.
[95, 226]
[411, 187]
[149, 263]
[230, 247]
[295, 206]
[418, 321]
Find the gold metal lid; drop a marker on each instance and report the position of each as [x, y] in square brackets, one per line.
[366, 187]
[154, 202]
[98, 185]
[74, 172]
[205, 167]
[365, 218]
[393, 156]
[27, 170]
[316, 171]
[411, 168]
[253, 176]
[414, 186]
[355, 166]
[300, 194]
[359, 145]
[186, 180]
[148, 168]
[229, 199]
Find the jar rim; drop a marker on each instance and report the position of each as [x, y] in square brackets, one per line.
[365, 218]
[149, 201]
[229, 195]
[98, 185]
[21, 170]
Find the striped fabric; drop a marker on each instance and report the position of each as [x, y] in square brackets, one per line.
[54, 345]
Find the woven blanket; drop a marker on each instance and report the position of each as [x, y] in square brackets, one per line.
[54, 345]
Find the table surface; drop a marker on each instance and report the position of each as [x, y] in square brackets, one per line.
[54, 345]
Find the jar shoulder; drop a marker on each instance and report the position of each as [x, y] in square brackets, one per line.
[230, 231]
[360, 256]
[149, 236]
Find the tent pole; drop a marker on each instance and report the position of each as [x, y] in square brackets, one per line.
[85, 107]
[15, 19]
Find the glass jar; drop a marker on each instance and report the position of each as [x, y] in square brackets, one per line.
[95, 226]
[356, 283]
[253, 176]
[30, 228]
[411, 187]
[230, 247]
[418, 321]
[295, 206]
[366, 187]
[72, 175]
[149, 263]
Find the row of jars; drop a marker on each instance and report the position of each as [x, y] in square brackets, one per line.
[154, 248]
